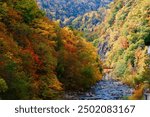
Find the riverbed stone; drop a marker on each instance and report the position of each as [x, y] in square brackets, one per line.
[105, 90]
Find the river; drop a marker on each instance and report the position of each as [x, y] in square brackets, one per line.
[107, 89]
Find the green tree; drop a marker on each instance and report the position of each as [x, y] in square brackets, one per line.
[3, 86]
[29, 10]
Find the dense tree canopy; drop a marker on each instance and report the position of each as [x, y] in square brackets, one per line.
[38, 59]
[83, 15]
[124, 35]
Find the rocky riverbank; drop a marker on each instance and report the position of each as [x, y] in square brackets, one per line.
[107, 89]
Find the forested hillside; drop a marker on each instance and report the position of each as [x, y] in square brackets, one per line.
[89, 23]
[38, 59]
[82, 15]
[67, 10]
[123, 38]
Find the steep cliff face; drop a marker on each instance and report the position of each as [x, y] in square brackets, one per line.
[123, 36]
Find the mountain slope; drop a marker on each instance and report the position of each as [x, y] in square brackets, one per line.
[64, 10]
[123, 36]
[38, 59]
[89, 23]
[82, 15]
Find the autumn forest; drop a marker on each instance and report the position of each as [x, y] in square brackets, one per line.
[50, 49]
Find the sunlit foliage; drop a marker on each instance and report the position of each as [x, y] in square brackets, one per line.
[126, 29]
[38, 59]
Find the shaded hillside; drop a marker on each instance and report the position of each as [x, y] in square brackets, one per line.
[38, 59]
[67, 10]
[123, 36]
[82, 15]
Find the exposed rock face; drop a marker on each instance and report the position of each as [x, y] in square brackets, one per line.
[102, 49]
[149, 50]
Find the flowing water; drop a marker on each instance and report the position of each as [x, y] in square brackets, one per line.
[107, 89]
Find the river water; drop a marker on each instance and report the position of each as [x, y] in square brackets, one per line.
[107, 89]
